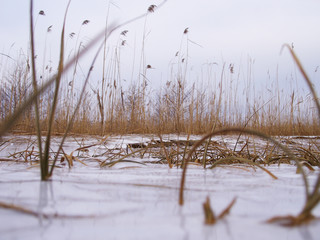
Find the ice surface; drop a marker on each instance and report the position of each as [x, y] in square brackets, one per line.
[141, 202]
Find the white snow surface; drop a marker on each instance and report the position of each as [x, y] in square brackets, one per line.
[131, 201]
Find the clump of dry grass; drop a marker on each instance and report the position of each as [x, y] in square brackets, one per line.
[312, 197]
[210, 217]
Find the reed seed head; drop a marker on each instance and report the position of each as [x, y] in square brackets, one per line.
[231, 68]
[124, 33]
[49, 28]
[151, 8]
[85, 22]
[71, 35]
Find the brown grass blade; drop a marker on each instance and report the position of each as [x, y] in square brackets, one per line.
[35, 85]
[232, 158]
[210, 218]
[226, 211]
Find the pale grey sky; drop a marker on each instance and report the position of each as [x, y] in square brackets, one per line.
[231, 31]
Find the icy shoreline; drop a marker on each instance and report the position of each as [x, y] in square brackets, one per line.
[142, 203]
[131, 201]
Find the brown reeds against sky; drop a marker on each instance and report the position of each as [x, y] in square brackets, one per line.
[203, 63]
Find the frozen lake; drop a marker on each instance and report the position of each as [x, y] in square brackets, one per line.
[130, 201]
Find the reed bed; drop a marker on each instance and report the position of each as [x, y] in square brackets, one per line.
[173, 108]
[219, 96]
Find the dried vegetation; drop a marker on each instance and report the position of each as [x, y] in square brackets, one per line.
[177, 108]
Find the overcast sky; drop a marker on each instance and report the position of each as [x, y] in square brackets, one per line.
[230, 31]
